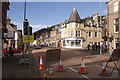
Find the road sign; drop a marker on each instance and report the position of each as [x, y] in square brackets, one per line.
[27, 38]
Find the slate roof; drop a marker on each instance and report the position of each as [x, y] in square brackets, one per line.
[74, 17]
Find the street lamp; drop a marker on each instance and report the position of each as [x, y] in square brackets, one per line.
[101, 30]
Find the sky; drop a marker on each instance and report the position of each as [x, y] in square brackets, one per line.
[45, 14]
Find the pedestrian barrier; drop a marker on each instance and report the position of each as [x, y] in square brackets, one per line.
[27, 60]
[50, 71]
[104, 71]
[83, 68]
[22, 61]
[52, 55]
[115, 56]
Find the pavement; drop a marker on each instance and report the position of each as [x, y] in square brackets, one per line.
[11, 68]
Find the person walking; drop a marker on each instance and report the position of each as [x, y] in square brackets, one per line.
[93, 47]
[96, 46]
[88, 46]
[26, 50]
[10, 51]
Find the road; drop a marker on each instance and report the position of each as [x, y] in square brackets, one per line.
[71, 60]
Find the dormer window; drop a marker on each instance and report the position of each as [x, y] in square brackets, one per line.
[89, 24]
[94, 25]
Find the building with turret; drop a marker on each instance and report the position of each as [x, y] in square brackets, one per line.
[78, 33]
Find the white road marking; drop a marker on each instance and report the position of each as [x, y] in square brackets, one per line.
[77, 72]
[106, 68]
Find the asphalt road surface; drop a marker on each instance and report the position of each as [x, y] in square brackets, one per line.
[71, 60]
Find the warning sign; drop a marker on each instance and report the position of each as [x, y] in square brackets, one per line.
[27, 38]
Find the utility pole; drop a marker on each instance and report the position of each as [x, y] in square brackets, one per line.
[119, 22]
[27, 33]
[100, 30]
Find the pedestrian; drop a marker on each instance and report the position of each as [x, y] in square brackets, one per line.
[93, 47]
[26, 50]
[99, 45]
[96, 46]
[88, 46]
[10, 51]
[106, 48]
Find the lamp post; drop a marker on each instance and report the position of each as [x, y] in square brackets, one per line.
[100, 30]
[27, 32]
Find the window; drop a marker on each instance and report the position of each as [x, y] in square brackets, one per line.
[76, 24]
[95, 34]
[77, 33]
[71, 33]
[89, 24]
[116, 25]
[90, 34]
[116, 5]
[117, 43]
[78, 42]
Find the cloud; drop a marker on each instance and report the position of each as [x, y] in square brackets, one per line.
[39, 26]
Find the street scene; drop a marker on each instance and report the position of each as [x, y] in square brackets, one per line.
[60, 40]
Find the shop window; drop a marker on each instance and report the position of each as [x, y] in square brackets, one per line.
[116, 25]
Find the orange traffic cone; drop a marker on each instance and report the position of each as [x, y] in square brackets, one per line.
[41, 64]
[104, 71]
[60, 67]
[82, 68]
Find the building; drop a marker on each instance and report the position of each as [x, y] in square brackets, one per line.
[4, 6]
[13, 36]
[78, 33]
[113, 21]
[55, 36]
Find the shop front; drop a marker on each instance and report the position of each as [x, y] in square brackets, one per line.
[72, 42]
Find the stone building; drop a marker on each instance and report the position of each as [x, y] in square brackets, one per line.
[55, 36]
[4, 6]
[113, 22]
[13, 35]
[78, 33]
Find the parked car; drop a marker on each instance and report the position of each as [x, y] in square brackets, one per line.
[16, 51]
[5, 52]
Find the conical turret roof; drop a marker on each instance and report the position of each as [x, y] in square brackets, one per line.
[74, 17]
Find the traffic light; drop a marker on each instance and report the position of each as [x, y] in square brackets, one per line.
[110, 39]
[30, 30]
[25, 25]
[105, 38]
[34, 36]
